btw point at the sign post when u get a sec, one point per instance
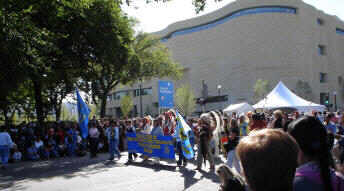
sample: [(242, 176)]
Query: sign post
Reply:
[(166, 94)]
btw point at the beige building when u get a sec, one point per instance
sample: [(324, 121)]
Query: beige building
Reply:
[(247, 40)]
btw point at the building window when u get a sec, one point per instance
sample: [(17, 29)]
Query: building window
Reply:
[(120, 94), (321, 50), (340, 31), (320, 21), (323, 77), (243, 12), (147, 91), (144, 91)]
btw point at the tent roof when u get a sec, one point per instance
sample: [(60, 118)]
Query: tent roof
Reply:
[(281, 96), (240, 108)]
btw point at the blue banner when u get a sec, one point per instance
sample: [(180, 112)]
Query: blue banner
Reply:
[(83, 112), (166, 94), (153, 146), (182, 132)]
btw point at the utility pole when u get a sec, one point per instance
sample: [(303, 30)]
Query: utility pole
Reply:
[(140, 93)]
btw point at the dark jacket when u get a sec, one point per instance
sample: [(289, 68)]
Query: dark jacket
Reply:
[(231, 144)]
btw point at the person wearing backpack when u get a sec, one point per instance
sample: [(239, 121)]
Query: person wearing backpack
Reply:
[(316, 169)]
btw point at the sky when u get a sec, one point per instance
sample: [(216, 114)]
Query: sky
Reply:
[(157, 16)]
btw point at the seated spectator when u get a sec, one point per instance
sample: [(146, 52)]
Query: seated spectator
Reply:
[(51, 149), (101, 146), (32, 153), (69, 144), (17, 155), (315, 171), (39, 146), (268, 159)]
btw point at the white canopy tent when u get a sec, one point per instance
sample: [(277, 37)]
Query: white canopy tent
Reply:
[(282, 97), (238, 108)]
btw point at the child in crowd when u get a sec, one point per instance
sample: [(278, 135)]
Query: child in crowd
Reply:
[(32, 153), (39, 146), (17, 155)]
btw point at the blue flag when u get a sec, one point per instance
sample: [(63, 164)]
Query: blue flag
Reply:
[(83, 112), (182, 131)]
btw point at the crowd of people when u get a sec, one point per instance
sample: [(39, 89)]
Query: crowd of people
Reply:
[(264, 151)]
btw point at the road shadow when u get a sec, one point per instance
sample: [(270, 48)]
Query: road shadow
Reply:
[(155, 167), (188, 175), (68, 167)]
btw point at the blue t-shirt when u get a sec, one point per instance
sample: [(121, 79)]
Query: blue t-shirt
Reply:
[(332, 128)]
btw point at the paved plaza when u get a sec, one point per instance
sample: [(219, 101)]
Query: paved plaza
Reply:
[(85, 174)]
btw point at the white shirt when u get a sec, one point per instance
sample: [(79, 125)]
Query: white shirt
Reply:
[(147, 129), (17, 156), (38, 144), (94, 132), (5, 139)]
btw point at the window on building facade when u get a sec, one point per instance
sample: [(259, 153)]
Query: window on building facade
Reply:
[(144, 91), (340, 31), (323, 77), (243, 12), (119, 95), (321, 50), (320, 21)]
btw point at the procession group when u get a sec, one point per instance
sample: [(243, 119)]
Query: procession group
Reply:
[(264, 151)]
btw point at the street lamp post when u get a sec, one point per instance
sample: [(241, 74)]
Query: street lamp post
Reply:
[(219, 92), (219, 89), (335, 100), (140, 94), (202, 103)]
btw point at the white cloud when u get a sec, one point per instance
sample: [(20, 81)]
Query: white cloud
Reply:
[(157, 16)]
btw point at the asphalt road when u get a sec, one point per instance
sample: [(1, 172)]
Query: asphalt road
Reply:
[(98, 174)]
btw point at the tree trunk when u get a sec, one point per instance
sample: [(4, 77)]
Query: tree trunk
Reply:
[(57, 108), (103, 104), (37, 86)]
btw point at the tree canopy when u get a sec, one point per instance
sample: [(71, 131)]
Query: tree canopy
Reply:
[(185, 100), (47, 48)]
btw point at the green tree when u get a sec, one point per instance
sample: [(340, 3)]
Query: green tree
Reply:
[(151, 59), (94, 110), (65, 114), (261, 89), (185, 100), (109, 34), (40, 35), (126, 105), (199, 4)]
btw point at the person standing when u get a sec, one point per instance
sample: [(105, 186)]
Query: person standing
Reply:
[(157, 131), (113, 139), (130, 129), (316, 170), (5, 145), (277, 123), (243, 126), (232, 160), (93, 134), (204, 149)]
